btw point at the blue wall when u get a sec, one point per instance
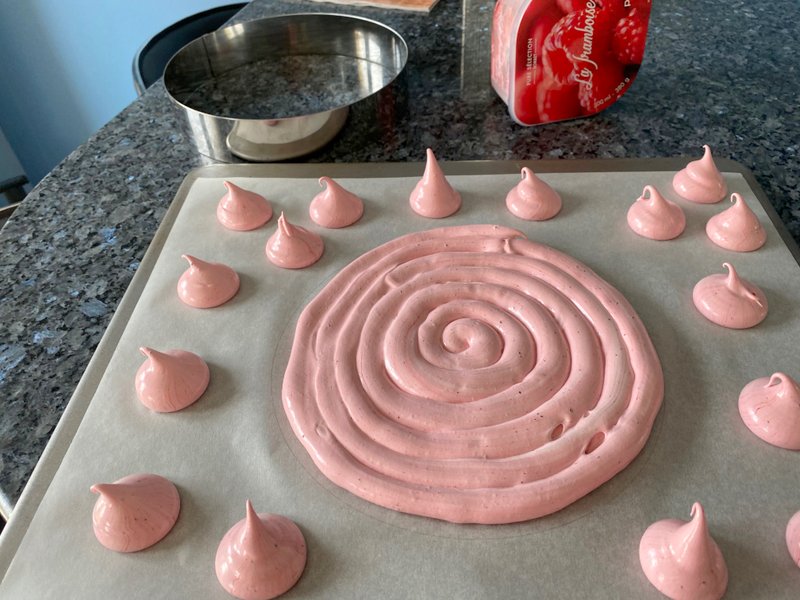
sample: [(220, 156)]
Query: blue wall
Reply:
[(9, 166), (65, 68)]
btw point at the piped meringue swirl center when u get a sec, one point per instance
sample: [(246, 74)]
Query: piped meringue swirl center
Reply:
[(471, 375)]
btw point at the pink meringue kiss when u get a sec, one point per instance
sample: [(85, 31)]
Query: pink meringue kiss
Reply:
[(433, 196), (793, 538), (770, 407), (653, 216), (335, 207), (729, 300), (242, 210), (736, 228), (682, 561), (260, 557), (700, 181), (172, 380), (532, 199), (293, 247), (205, 284), (134, 512)]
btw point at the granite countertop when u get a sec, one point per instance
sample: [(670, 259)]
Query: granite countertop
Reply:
[(715, 72)]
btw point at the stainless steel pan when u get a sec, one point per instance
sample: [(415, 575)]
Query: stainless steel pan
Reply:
[(280, 87)]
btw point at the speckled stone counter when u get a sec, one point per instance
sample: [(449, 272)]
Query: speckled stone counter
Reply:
[(721, 73)]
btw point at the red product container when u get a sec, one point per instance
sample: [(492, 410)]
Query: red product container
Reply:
[(554, 60)]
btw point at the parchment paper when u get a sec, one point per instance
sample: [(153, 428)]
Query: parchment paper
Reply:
[(235, 443)]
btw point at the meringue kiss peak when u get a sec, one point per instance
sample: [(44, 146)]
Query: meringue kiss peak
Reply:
[(653, 216), (293, 247), (729, 300), (260, 557), (681, 559), (700, 181), (793, 538), (335, 207), (172, 380), (736, 228), (533, 199), (206, 284), (242, 210), (433, 196), (770, 407), (134, 512)]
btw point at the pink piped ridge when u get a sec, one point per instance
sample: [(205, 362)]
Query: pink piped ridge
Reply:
[(471, 375), (206, 284), (729, 300), (653, 216), (293, 247), (793, 538), (172, 380), (681, 559), (533, 199), (770, 407), (260, 557), (335, 207), (433, 196), (736, 228), (134, 512), (242, 210), (700, 181)]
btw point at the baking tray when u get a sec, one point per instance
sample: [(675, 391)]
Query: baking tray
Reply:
[(235, 442)]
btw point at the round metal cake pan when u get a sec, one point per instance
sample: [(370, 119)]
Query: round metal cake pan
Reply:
[(280, 87)]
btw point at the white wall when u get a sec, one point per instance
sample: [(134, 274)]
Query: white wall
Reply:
[(65, 68)]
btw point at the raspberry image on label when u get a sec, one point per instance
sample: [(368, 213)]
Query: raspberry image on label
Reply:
[(630, 35), (554, 60)]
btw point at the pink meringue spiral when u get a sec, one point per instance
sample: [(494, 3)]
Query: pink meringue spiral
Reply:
[(472, 375)]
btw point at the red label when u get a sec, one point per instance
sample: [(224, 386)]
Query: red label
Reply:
[(575, 57)]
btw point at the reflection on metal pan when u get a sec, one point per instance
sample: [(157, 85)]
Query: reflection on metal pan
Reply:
[(280, 87)]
